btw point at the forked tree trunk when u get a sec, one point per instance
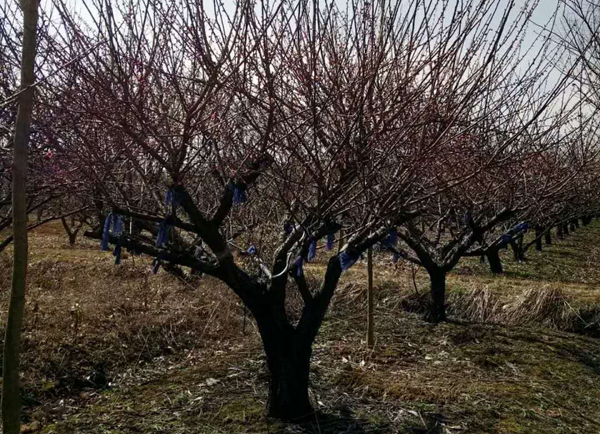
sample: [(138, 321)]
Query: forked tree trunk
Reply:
[(559, 232), (565, 228), (493, 256), (438, 295), (289, 349), (71, 233), (11, 400), (548, 237)]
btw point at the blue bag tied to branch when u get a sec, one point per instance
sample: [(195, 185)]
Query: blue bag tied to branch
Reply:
[(518, 228), (239, 193), (393, 236), (106, 232), (330, 241), (312, 251), (395, 258), (347, 259), (252, 250), (522, 227), (162, 233), (504, 241), (391, 239), (172, 198), (287, 228), (299, 263), (118, 225), (116, 221)]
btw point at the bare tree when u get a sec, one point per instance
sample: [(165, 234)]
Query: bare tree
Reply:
[(11, 400)]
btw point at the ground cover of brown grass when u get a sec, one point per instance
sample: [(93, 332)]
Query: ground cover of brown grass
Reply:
[(114, 349)]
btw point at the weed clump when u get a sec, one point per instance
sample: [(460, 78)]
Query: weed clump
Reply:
[(547, 307)]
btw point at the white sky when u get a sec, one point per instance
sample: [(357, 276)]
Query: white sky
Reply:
[(542, 14)]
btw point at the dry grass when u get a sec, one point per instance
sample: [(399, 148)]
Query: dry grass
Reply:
[(173, 357), (548, 307), (89, 322)]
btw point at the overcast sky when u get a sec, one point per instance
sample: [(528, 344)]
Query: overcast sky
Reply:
[(542, 14)]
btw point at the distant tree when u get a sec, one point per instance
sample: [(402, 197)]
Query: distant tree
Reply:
[(488, 129)]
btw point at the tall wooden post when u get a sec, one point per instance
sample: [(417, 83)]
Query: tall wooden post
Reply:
[(371, 307)]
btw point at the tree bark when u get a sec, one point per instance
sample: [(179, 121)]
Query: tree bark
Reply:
[(548, 237), (72, 234), (565, 228), (517, 248), (289, 369), (559, 232), (438, 295), (538, 238), (288, 361), (289, 348), (493, 256), (11, 401)]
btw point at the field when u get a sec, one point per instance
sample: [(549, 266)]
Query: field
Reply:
[(115, 349)]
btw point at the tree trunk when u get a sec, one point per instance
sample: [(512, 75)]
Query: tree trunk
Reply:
[(548, 237), (341, 241), (517, 248), (576, 223), (11, 401), (370, 307), (493, 256), (70, 233), (538, 238), (438, 295), (572, 226), (559, 232), (565, 229), (288, 361)]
